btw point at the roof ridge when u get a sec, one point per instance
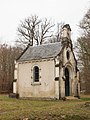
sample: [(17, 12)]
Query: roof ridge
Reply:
[(45, 44)]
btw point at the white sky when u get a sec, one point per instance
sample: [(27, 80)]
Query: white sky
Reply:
[(12, 11)]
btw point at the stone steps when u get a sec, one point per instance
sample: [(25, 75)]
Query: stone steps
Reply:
[(72, 98)]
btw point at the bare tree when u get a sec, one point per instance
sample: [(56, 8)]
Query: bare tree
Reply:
[(85, 24), (7, 56), (59, 31), (84, 51), (57, 36), (27, 29), (33, 30), (45, 30)]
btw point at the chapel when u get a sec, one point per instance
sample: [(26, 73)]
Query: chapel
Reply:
[(48, 70)]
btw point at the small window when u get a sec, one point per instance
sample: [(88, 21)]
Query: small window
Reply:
[(36, 74), (68, 55)]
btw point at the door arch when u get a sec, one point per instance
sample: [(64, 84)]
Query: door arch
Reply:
[(67, 83)]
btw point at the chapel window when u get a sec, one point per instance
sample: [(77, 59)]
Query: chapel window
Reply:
[(68, 55), (36, 74)]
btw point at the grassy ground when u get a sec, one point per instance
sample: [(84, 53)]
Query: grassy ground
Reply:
[(16, 109)]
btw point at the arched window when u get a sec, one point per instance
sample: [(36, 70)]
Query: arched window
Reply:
[(36, 74), (68, 55)]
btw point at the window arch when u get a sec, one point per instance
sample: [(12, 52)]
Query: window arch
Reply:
[(36, 74)]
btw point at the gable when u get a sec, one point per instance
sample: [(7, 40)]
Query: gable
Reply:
[(41, 52)]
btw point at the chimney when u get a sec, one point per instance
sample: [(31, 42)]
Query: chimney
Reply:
[(66, 35), (66, 31)]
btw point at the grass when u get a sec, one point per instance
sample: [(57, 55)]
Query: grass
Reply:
[(17, 109)]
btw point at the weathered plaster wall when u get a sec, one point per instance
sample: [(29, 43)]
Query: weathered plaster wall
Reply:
[(46, 85)]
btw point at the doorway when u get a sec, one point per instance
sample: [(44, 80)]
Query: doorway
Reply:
[(67, 83)]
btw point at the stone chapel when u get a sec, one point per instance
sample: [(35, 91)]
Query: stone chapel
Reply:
[(48, 70)]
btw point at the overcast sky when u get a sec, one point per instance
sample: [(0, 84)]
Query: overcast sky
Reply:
[(12, 11)]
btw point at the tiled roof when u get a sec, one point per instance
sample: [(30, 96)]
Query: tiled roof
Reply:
[(41, 52)]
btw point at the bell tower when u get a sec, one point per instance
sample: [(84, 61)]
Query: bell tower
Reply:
[(66, 35)]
